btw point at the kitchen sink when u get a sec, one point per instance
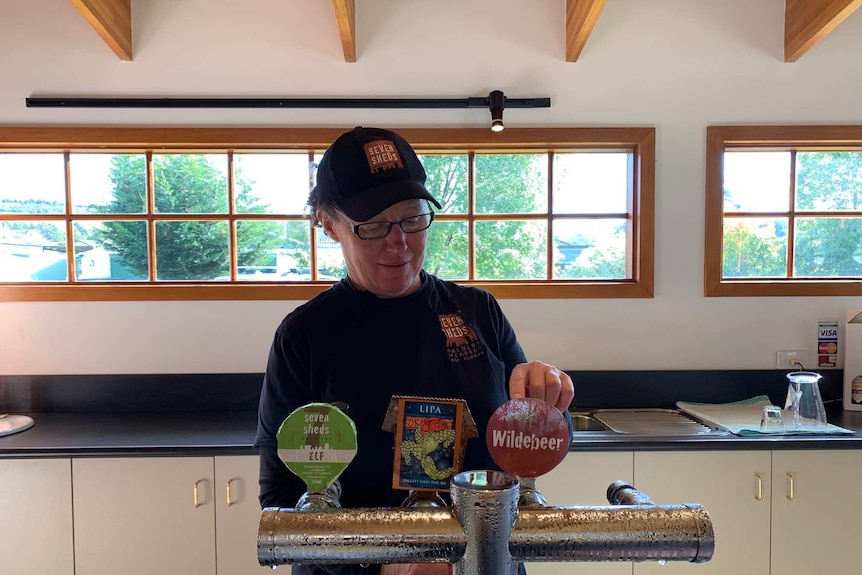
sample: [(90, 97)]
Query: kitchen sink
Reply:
[(640, 422), (585, 422)]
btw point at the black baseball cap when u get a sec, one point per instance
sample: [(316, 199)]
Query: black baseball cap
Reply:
[(366, 170)]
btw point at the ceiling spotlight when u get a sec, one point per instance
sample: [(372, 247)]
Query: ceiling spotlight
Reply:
[(496, 101)]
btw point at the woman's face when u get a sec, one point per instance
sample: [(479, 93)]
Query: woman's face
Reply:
[(388, 267)]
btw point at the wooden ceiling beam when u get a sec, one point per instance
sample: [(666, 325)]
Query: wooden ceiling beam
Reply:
[(806, 22), (345, 15), (581, 17), (112, 19)]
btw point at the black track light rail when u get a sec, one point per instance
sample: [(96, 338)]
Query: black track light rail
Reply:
[(425, 103)]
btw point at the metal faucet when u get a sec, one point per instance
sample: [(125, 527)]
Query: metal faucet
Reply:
[(486, 532), (496, 520)]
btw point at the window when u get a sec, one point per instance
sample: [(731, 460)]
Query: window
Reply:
[(172, 214), (783, 211)]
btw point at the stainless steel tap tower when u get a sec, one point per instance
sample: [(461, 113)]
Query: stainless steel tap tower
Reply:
[(497, 519), (486, 532)]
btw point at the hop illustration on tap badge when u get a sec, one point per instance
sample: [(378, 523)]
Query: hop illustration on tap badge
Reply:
[(428, 443)]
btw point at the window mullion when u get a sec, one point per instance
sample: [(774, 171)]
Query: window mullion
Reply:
[(233, 250), (549, 213), (151, 210), (791, 216), (471, 215), (70, 236)]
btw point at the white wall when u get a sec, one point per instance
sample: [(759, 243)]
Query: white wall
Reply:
[(678, 65)]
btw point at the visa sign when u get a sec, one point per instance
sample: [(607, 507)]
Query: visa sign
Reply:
[(827, 333)]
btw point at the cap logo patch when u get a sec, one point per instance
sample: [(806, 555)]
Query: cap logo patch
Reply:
[(382, 155)]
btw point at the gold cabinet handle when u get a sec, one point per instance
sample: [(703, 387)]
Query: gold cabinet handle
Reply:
[(790, 492), (229, 500), (758, 494), (197, 501)]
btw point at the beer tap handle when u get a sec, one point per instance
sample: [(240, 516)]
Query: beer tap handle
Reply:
[(316, 442), (527, 437)]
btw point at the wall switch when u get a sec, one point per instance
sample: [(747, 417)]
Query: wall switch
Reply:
[(791, 359)]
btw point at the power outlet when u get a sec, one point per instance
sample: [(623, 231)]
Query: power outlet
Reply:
[(791, 359)]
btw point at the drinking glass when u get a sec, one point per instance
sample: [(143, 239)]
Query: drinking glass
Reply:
[(771, 420)]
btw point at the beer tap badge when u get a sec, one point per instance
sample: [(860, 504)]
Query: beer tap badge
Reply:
[(527, 437), (317, 442), (429, 438)]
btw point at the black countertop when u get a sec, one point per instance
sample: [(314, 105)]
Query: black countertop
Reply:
[(851, 420), (133, 434), (232, 433)]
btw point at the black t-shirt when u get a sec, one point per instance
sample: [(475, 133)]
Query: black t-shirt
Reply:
[(344, 345)]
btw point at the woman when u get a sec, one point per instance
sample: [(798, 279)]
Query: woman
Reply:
[(387, 329)]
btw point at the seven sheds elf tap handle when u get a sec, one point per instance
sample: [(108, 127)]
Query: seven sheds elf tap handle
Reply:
[(317, 442)]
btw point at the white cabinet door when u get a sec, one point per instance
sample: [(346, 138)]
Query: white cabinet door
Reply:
[(816, 512), (237, 515), (733, 486), (36, 516), (146, 515), (583, 478)]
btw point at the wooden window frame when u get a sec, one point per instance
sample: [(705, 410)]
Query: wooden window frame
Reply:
[(640, 251), (718, 140)]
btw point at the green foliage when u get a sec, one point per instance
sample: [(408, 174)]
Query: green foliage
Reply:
[(447, 250), (48, 231), (187, 249), (606, 263), (829, 181), (747, 254), (447, 247), (510, 183), (829, 247), (511, 250), (191, 250), (28, 206), (129, 196), (505, 184), (823, 246), (447, 180), (196, 249)]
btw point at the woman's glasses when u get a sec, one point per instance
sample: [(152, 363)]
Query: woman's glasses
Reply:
[(377, 230)]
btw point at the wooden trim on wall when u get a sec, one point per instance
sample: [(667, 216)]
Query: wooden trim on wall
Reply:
[(302, 292), (63, 139), (300, 138), (644, 270)]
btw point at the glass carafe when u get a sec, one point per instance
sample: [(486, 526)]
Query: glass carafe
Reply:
[(804, 404)]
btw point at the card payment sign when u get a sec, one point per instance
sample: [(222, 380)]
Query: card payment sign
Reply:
[(827, 343)]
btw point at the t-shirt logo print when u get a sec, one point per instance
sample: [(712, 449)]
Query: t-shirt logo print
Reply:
[(382, 155), (461, 341)]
